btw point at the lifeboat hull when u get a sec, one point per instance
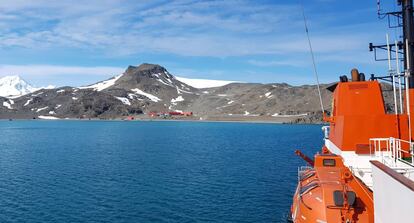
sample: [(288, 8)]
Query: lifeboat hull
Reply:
[(327, 193)]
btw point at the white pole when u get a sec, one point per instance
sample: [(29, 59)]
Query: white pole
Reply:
[(397, 60), (407, 74), (392, 74), (388, 52)]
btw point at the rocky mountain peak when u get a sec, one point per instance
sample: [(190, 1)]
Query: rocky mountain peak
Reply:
[(145, 68), (146, 74)]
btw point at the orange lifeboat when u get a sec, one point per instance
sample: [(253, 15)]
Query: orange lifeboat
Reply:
[(327, 192)]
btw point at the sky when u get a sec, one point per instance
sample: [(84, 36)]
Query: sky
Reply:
[(262, 41)]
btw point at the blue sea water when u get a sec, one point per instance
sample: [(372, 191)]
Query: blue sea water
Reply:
[(114, 171)]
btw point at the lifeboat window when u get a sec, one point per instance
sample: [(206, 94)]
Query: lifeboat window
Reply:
[(339, 198), (329, 162), (307, 175), (308, 187)]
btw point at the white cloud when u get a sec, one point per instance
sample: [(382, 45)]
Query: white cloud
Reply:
[(240, 29), (277, 63), (46, 70), (215, 28)]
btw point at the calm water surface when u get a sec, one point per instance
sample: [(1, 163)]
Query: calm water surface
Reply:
[(85, 171)]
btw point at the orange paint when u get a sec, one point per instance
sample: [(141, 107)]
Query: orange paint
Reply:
[(358, 114)]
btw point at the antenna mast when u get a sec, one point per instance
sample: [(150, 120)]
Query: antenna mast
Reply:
[(313, 59)]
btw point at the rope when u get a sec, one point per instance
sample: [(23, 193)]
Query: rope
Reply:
[(313, 58)]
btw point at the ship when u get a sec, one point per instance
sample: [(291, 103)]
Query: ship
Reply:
[(364, 171)]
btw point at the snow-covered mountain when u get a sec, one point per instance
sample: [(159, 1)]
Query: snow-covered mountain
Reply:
[(203, 83), (14, 86)]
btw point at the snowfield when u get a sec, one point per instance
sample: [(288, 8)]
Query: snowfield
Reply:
[(203, 83), (103, 84)]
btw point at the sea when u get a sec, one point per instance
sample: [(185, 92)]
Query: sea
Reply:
[(150, 171)]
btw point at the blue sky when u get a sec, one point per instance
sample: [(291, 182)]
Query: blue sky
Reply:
[(65, 43)]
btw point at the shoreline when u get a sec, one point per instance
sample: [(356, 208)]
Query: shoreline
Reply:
[(262, 121)]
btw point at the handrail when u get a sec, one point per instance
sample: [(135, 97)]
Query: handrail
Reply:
[(393, 151)]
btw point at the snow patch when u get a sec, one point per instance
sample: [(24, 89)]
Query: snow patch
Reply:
[(246, 113), (47, 117), (28, 102), (52, 113), (103, 84), (37, 94), (287, 116), (41, 109), (74, 98), (133, 96), (163, 82), (178, 99), (158, 76), (124, 101), (7, 105), (230, 102), (150, 96), (180, 91), (60, 91)]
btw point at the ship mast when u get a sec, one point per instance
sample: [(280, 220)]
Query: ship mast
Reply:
[(405, 47), (408, 38)]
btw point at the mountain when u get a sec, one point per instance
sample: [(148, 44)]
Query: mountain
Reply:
[(151, 88), (14, 86)]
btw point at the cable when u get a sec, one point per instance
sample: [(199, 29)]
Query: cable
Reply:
[(313, 58)]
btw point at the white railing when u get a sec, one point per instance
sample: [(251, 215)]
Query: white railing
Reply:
[(326, 130), (392, 150), (302, 170)]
